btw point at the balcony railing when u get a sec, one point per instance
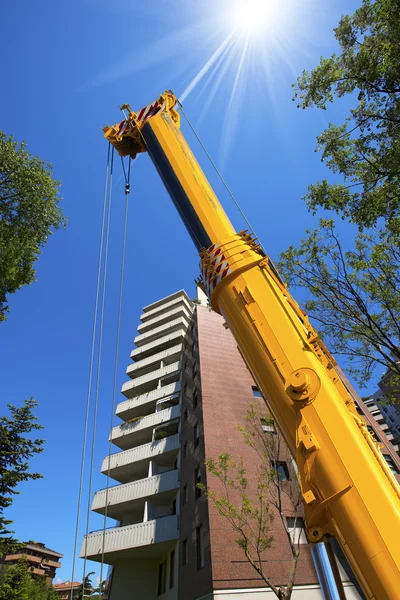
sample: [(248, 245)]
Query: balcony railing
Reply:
[(162, 330), (160, 308), (132, 464), (165, 317), (128, 494), (119, 542), (129, 435), (146, 403), (137, 386), (161, 343), (147, 365)]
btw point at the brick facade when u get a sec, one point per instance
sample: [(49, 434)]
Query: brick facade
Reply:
[(223, 386)]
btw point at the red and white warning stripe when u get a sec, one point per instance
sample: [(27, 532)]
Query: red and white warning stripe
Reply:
[(149, 111), (215, 269)]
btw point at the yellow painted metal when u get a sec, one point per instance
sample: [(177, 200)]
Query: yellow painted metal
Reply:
[(191, 177), (349, 491)]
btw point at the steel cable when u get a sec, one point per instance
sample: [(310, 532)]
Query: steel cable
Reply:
[(99, 352), (121, 287), (96, 304)]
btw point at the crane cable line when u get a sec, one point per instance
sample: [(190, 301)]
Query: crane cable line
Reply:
[(99, 352), (219, 174), (121, 286), (91, 362)]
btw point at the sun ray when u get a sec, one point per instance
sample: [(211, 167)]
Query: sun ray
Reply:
[(206, 67), (218, 79)]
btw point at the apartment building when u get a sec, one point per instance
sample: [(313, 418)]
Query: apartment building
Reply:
[(188, 392), (41, 560), (383, 415), (67, 590)]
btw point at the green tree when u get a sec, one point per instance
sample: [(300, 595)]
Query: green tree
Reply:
[(250, 508), (17, 583), (15, 451), (29, 212), (86, 590), (364, 151), (353, 296), (351, 289)]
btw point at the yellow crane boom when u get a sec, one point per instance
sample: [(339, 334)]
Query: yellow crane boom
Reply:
[(348, 490)]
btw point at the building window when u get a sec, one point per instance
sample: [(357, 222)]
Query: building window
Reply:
[(172, 569), (195, 399), (256, 392), (196, 435), (281, 469), (173, 507), (184, 494), (185, 557), (391, 418), (391, 464), (197, 480), (296, 528), (267, 425), (185, 415), (199, 547), (185, 450), (162, 576)]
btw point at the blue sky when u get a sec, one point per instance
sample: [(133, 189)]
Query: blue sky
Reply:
[(66, 67)]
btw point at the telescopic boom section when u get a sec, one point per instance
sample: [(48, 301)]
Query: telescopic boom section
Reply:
[(348, 490)]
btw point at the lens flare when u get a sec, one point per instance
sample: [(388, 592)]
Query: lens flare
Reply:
[(255, 17)]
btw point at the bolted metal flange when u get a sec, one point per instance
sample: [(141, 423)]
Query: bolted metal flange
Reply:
[(303, 385)]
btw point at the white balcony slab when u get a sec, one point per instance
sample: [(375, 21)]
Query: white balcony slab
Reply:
[(130, 497), (165, 317), (130, 435), (162, 330), (149, 381), (145, 404), (147, 539), (165, 304), (130, 465), (147, 365), (162, 343)]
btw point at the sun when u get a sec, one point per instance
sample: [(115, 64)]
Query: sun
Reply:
[(255, 17)]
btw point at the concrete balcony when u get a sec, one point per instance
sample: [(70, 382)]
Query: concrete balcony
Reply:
[(158, 332), (167, 316), (158, 308), (144, 540), (145, 404), (130, 498), (156, 361), (150, 381), (131, 465), (131, 435), (160, 344)]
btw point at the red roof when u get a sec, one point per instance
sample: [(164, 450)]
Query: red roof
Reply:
[(67, 585)]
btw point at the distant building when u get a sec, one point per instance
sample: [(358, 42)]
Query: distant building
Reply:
[(42, 561), (65, 590)]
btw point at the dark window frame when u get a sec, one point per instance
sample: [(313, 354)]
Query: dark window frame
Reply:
[(172, 569), (199, 547), (281, 468)]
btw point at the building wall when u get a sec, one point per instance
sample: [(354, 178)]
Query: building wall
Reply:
[(194, 512), (226, 392), (138, 579)]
